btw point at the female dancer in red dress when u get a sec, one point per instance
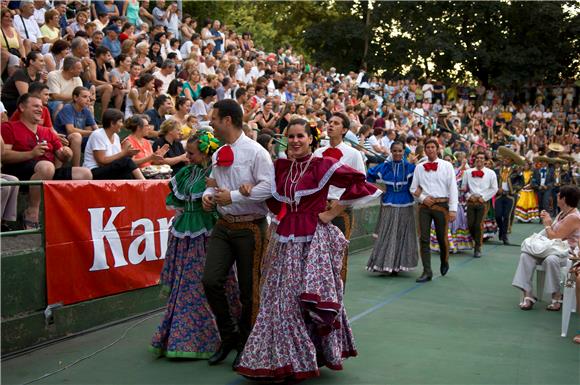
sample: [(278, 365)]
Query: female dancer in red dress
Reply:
[(302, 323)]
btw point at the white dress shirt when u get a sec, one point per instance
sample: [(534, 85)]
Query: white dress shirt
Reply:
[(253, 165), (485, 187), (351, 157), (436, 184)]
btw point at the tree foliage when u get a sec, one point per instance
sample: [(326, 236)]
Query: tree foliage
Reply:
[(499, 43)]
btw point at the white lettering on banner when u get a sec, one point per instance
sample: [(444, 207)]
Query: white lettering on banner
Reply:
[(148, 237), (98, 235), (110, 233)]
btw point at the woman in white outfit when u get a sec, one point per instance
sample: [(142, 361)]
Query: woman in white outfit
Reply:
[(566, 227)]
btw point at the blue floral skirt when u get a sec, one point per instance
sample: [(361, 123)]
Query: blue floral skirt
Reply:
[(188, 328)]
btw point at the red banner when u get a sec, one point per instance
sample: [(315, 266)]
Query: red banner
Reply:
[(103, 237)]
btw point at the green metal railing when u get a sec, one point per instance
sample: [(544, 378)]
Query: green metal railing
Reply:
[(40, 230)]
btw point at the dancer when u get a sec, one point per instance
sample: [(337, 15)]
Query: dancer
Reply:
[(508, 178), (480, 185), (302, 322), (338, 126), (188, 328), (238, 235), (543, 182), (527, 204), (435, 187), (397, 247)]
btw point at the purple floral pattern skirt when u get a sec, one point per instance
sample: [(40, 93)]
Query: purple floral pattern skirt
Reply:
[(188, 328), (302, 323)]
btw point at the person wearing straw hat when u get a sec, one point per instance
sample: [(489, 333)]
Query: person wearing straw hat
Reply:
[(561, 177), (543, 182), (508, 180)]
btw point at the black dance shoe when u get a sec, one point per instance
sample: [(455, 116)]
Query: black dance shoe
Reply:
[(221, 354), (444, 268), (423, 278)]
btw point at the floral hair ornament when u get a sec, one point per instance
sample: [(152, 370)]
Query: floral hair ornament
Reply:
[(208, 144)]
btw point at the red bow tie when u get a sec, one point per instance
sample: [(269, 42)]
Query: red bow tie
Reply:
[(332, 153), (225, 156), (477, 174), (430, 166)]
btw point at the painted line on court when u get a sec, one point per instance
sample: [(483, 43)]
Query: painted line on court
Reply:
[(393, 298), (404, 292)]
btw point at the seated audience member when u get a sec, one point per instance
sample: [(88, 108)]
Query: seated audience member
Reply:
[(31, 151), (96, 42), (166, 74), (76, 118), (55, 57), (111, 40), (140, 98), (566, 227), (120, 77), (8, 196), (100, 78), (17, 84), (39, 90), (203, 105), (170, 135), (163, 105), (140, 129), (27, 26), (61, 83), (106, 156), (51, 28)]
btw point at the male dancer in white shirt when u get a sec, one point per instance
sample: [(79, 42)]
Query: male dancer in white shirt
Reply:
[(480, 184), (435, 187), (338, 126), (238, 235)]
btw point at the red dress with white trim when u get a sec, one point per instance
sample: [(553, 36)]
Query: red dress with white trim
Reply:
[(302, 323)]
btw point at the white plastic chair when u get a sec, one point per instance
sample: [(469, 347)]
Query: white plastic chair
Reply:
[(569, 301)]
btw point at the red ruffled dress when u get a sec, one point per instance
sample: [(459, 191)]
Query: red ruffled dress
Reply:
[(302, 323)]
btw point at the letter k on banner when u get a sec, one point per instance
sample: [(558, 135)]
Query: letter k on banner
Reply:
[(103, 237)]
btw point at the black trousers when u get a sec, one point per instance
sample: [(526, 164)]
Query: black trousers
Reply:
[(117, 170), (240, 243), (438, 214), (544, 200), (504, 206), (475, 214)]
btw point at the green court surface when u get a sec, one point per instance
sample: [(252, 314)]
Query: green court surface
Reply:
[(464, 328)]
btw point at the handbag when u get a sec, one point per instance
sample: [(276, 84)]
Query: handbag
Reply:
[(540, 246)]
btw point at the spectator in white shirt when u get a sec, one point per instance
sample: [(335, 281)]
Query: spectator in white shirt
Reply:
[(166, 74), (203, 105), (27, 27), (244, 75), (39, 11), (207, 67)]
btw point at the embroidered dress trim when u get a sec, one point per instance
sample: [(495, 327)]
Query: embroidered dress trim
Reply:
[(361, 201), (189, 234)]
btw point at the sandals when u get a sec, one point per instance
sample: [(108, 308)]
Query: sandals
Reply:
[(576, 339), (30, 225), (556, 305), (528, 303)]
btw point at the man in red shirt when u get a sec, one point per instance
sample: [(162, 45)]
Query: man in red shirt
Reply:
[(40, 90), (31, 151)]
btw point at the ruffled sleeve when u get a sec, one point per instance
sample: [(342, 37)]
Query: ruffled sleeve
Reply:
[(358, 190), (186, 191)]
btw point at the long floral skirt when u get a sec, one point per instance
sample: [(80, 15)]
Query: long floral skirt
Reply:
[(457, 233), (397, 247), (302, 323), (188, 328)]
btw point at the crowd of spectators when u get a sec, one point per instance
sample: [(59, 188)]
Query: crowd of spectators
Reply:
[(151, 73)]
